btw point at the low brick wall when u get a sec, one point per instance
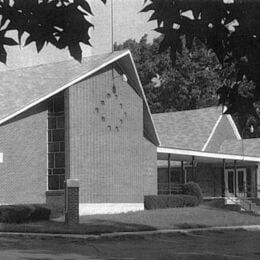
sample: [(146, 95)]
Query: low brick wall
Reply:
[(56, 202)]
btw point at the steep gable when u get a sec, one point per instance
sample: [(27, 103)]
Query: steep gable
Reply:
[(224, 130), (24, 88), (186, 129)]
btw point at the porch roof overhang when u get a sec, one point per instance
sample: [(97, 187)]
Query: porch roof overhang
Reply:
[(203, 157)]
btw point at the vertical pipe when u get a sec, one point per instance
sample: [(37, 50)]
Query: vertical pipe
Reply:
[(193, 169), (235, 177), (223, 178), (183, 174), (169, 173)]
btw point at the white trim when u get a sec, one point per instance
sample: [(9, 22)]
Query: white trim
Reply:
[(108, 208), (234, 127), (72, 183), (207, 154), (144, 97), (212, 133), (38, 101)]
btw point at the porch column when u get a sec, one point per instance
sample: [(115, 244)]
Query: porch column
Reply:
[(235, 177), (183, 172), (193, 168), (223, 178), (258, 181), (169, 173)]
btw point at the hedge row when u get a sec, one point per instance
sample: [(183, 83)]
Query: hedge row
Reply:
[(169, 201), (191, 197), (23, 213)]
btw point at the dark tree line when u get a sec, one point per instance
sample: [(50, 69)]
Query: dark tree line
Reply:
[(192, 83), (228, 27)]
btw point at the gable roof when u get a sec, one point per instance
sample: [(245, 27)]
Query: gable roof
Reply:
[(24, 88), (205, 134), (225, 129), (189, 129), (245, 147)]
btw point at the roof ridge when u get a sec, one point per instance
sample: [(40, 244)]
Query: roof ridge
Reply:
[(188, 110), (62, 61)]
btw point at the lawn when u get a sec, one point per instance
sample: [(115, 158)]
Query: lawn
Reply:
[(202, 216)]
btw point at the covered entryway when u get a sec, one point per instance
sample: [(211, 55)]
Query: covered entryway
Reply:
[(219, 175)]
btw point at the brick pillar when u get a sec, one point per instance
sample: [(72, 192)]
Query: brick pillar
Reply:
[(72, 202)]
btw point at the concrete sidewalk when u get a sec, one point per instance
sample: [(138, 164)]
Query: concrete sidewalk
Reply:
[(130, 234)]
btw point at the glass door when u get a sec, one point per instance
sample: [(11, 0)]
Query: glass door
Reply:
[(229, 183), (241, 182), (235, 186)]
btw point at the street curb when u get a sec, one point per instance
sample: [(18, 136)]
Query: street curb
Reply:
[(129, 234)]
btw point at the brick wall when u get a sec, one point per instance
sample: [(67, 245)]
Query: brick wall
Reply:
[(56, 202), (23, 173), (149, 168), (106, 140)]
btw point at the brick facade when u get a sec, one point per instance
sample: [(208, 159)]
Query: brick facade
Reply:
[(72, 211), (104, 145), (149, 168), (106, 141), (23, 142)]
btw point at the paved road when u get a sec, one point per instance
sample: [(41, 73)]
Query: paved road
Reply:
[(199, 245)]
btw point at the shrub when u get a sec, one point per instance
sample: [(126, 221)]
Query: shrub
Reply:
[(193, 189), (22, 213), (40, 212), (169, 201)]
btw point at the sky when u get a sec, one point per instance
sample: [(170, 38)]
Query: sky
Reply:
[(128, 22)]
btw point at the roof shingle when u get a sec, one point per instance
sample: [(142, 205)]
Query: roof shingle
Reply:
[(245, 147), (21, 87), (188, 129)]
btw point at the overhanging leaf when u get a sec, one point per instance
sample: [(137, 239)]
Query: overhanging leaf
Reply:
[(3, 54), (148, 8), (75, 52), (9, 41), (85, 5), (39, 45)]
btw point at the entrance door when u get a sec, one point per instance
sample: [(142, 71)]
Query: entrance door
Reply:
[(235, 186), (241, 182)]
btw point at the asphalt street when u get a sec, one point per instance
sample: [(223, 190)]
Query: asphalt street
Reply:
[(230, 244)]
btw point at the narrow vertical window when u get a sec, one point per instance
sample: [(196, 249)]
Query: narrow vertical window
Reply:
[(56, 143)]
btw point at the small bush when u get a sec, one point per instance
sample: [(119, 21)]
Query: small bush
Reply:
[(169, 201), (193, 189), (40, 213), (23, 213)]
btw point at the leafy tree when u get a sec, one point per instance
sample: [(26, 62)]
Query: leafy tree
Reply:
[(191, 83), (62, 23), (228, 27)]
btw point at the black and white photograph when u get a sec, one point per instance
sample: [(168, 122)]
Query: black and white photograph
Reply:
[(129, 129)]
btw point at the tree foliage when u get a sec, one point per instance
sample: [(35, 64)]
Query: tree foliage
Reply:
[(192, 83), (62, 23), (230, 28)]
